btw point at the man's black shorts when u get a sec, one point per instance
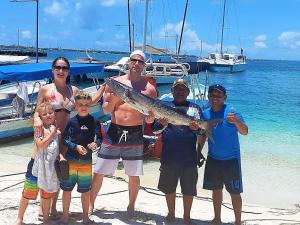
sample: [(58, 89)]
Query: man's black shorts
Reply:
[(170, 174), (223, 172)]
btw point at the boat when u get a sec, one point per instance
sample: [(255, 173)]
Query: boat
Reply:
[(166, 73), (224, 61), (16, 116), (118, 68), (12, 59)]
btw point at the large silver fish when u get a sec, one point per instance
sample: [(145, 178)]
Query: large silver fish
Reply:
[(145, 104)]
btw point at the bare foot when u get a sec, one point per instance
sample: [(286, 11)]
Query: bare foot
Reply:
[(170, 218), (88, 222), (18, 222), (64, 220), (130, 212), (187, 220), (45, 221)]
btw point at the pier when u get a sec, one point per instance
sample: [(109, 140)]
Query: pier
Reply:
[(20, 52)]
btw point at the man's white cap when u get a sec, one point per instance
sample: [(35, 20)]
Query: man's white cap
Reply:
[(138, 52)]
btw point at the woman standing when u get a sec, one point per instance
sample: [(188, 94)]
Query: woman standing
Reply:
[(61, 96)]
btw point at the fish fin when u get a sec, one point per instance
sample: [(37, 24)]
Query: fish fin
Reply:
[(210, 125)]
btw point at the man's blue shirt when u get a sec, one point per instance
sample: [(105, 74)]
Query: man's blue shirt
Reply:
[(178, 141), (225, 135)]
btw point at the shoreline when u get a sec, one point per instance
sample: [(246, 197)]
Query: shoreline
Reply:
[(110, 207), (254, 193)]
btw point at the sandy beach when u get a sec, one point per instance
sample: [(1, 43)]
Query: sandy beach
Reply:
[(110, 207)]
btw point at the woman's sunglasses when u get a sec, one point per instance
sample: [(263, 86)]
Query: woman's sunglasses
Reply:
[(63, 68)]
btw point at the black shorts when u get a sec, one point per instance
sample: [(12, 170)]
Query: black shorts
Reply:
[(169, 176), (223, 172)]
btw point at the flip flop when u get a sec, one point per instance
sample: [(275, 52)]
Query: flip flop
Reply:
[(62, 170)]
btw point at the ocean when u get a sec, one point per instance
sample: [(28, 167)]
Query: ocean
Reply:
[(267, 94)]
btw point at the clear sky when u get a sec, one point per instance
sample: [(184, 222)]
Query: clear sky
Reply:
[(265, 29)]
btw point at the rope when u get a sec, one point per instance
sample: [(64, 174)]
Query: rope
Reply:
[(12, 174), (146, 189), (11, 186)]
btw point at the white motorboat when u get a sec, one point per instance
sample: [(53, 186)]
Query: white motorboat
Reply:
[(117, 68), (12, 59)]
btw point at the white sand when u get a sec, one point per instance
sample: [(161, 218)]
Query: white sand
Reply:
[(112, 202)]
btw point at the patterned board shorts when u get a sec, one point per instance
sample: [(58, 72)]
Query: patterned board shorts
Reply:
[(31, 189), (121, 142), (80, 173)]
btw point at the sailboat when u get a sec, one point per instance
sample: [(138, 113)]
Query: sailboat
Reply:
[(224, 61), (162, 72)]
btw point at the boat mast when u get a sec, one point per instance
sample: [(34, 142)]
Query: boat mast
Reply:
[(145, 25), (129, 26), (223, 20), (183, 22)]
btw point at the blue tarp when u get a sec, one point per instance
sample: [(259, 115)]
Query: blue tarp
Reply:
[(38, 71)]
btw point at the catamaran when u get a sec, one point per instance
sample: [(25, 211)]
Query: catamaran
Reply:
[(224, 61)]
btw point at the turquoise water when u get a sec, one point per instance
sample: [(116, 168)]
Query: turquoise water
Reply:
[(268, 96)]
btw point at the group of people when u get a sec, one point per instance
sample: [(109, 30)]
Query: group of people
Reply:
[(72, 140)]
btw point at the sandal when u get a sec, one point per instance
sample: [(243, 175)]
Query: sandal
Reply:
[(62, 170)]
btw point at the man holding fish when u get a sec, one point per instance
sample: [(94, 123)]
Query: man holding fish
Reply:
[(124, 138)]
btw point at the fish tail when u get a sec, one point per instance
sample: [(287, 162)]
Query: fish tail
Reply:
[(210, 125)]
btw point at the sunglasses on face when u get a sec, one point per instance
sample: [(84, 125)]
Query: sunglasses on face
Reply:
[(140, 62), (63, 68)]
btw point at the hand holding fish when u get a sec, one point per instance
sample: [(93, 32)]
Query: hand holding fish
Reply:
[(193, 125), (164, 121), (150, 118)]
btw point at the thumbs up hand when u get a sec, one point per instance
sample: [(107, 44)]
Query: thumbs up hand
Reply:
[(231, 116)]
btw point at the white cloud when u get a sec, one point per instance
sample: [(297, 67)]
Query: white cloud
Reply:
[(260, 44), (290, 39), (54, 9), (78, 6), (259, 41), (58, 9), (26, 34), (261, 38), (191, 40), (109, 3)]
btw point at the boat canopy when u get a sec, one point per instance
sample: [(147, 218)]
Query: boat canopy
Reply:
[(38, 71)]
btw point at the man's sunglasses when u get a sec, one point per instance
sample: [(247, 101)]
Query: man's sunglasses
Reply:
[(140, 62), (63, 68)]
